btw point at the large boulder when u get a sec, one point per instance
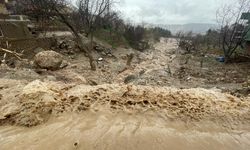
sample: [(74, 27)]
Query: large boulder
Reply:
[(48, 60)]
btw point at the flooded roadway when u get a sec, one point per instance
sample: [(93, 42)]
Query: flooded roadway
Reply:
[(120, 131)]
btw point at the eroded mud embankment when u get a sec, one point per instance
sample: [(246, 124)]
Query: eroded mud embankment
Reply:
[(33, 103), (69, 116)]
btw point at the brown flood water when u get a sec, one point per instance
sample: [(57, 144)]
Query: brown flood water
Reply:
[(107, 131)]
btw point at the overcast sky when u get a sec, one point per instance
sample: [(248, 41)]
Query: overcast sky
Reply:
[(170, 11)]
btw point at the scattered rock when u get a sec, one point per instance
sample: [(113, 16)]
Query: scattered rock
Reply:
[(64, 64), (69, 76), (93, 83), (130, 79), (143, 45), (80, 79), (242, 92), (99, 48), (25, 63), (118, 67), (38, 50), (103, 50), (110, 55), (234, 72), (50, 60), (100, 59), (51, 78), (40, 71), (4, 66)]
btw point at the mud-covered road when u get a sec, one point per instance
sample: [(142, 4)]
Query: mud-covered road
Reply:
[(120, 117), (106, 131)]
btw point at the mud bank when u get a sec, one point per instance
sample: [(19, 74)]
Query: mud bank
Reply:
[(31, 104), (121, 131)]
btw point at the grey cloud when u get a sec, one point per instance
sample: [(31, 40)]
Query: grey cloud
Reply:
[(170, 11)]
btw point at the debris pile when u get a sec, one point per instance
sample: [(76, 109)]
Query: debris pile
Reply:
[(103, 50)]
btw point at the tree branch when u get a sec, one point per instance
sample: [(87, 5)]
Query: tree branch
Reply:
[(17, 55)]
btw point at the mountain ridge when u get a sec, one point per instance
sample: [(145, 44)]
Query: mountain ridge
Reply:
[(197, 28)]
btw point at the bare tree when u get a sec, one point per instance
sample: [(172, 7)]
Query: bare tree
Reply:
[(233, 28), (61, 10), (185, 41), (91, 12)]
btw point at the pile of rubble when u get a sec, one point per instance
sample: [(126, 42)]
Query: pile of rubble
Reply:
[(103, 50)]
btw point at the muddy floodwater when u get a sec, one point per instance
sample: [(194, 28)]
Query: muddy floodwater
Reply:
[(108, 131)]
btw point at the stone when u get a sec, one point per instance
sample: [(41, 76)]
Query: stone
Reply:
[(130, 79), (64, 64), (38, 91), (38, 50), (51, 78), (100, 59), (50, 60), (99, 48)]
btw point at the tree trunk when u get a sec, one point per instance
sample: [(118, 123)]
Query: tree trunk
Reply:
[(227, 58), (85, 48), (129, 59), (91, 38), (79, 41)]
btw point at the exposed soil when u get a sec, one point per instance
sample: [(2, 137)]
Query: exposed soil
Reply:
[(165, 100)]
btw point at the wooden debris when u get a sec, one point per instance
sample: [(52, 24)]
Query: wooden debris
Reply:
[(17, 55)]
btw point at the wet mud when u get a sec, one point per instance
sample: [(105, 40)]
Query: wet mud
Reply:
[(106, 130)]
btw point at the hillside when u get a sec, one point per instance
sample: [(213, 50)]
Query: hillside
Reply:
[(194, 27)]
